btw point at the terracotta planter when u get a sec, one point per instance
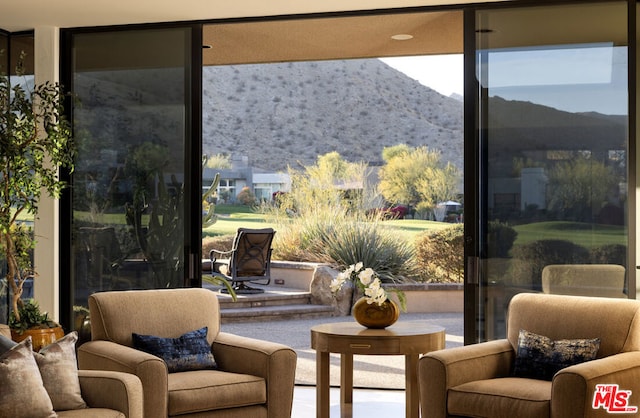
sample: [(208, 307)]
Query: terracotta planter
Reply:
[(39, 337), (374, 315)]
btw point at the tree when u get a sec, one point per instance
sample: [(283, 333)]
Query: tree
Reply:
[(219, 161), (331, 169), (417, 177), (578, 188), (35, 142), (389, 152), (332, 181)]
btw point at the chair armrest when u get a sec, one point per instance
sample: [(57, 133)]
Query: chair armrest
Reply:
[(574, 387), (113, 390), (218, 252), (440, 370), (274, 362), (151, 370)]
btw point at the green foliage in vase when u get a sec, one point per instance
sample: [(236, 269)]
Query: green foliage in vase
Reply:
[(29, 316)]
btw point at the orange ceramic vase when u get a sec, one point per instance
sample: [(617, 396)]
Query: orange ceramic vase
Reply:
[(374, 315), (39, 337)]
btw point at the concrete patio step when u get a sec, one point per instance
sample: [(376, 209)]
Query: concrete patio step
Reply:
[(276, 303), (274, 313)]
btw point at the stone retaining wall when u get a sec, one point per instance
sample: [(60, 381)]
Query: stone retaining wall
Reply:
[(421, 297)]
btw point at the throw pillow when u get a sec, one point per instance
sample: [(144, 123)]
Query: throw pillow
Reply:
[(59, 371), (539, 357), (6, 344), (190, 351), (22, 394)]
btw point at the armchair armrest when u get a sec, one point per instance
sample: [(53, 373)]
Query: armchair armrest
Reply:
[(574, 387), (113, 390), (274, 362), (443, 369), (151, 370)]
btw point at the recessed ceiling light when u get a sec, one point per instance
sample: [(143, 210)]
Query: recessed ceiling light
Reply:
[(402, 37)]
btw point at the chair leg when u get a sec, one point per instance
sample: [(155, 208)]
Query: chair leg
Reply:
[(243, 289)]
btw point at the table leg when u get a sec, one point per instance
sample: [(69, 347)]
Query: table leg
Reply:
[(411, 386), (322, 384), (346, 384)]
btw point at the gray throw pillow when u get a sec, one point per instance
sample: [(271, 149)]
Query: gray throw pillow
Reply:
[(59, 371), (22, 393)]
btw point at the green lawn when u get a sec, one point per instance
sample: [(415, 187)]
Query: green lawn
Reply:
[(230, 218), (587, 235)]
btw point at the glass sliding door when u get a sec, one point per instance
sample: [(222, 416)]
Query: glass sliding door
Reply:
[(553, 140), (4, 288), (132, 213)]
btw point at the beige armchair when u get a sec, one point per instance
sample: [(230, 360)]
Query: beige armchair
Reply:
[(478, 380), (603, 280), (253, 379), (107, 394)]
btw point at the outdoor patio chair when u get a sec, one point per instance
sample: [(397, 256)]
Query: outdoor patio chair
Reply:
[(248, 260)]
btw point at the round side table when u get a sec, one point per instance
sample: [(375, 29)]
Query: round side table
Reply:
[(410, 339)]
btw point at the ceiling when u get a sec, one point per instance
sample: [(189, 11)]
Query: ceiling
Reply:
[(333, 38), (229, 40), (19, 15)]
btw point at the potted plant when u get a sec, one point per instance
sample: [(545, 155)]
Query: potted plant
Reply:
[(35, 142), (34, 323)]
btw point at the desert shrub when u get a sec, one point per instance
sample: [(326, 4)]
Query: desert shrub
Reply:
[(529, 259), (220, 243), (440, 255), (500, 239), (377, 247), (340, 237), (246, 197), (609, 254)]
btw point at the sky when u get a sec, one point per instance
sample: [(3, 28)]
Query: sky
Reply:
[(442, 73), (588, 78)]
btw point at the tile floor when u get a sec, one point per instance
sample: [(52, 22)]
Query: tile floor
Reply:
[(366, 403)]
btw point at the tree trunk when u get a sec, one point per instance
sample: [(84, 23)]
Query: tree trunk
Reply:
[(14, 279)]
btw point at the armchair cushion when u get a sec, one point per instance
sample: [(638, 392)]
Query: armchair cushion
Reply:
[(539, 357), (492, 397), (190, 351), (206, 390), (22, 393)]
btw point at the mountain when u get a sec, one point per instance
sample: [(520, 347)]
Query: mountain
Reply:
[(286, 114)]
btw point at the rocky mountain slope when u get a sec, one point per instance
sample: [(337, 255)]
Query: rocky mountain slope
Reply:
[(286, 114)]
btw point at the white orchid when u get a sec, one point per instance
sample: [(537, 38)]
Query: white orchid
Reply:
[(364, 278)]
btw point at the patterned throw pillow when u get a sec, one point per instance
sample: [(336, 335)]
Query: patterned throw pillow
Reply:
[(59, 371), (22, 394), (539, 357), (190, 351)]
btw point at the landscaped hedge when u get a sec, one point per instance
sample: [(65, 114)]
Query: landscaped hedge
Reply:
[(500, 240), (529, 259), (440, 255), (609, 254)]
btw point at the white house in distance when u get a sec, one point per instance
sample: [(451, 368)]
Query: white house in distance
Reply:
[(232, 180)]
